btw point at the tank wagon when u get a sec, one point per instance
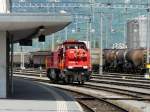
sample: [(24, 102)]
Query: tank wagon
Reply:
[(124, 60), (69, 63), (120, 60)]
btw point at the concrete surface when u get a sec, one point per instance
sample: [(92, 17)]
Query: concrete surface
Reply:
[(31, 96), (129, 105), (3, 65)]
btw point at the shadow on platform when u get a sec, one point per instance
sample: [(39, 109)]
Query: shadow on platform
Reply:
[(29, 90)]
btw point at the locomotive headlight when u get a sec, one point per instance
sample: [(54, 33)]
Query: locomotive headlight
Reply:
[(85, 67), (70, 67)]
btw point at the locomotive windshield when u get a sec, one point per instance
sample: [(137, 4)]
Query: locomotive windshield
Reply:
[(76, 46)]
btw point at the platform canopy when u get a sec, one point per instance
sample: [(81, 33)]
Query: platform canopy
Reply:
[(29, 25), (22, 27)]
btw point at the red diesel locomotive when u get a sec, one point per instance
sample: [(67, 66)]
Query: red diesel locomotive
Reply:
[(69, 63)]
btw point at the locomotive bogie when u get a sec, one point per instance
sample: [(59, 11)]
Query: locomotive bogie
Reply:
[(84, 73), (68, 76)]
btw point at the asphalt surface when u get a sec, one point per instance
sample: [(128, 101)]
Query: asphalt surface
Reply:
[(31, 96)]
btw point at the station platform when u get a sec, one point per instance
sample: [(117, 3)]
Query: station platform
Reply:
[(31, 96)]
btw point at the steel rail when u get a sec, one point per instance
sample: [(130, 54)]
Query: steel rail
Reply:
[(122, 79), (85, 106), (77, 98), (138, 85), (106, 99), (135, 94)]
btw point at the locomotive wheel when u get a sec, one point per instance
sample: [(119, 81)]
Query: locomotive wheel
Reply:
[(48, 74), (79, 82), (82, 82), (56, 76), (69, 79), (83, 79), (65, 80), (52, 75)]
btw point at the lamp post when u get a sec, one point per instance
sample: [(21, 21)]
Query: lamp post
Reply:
[(66, 33), (88, 23), (92, 32), (148, 38), (53, 37), (101, 39), (22, 58), (125, 23), (109, 27), (101, 45), (88, 30)]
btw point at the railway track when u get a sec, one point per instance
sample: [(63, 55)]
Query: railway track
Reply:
[(122, 76), (85, 107), (120, 92), (130, 94), (122, 79), (123, 83), (104, 84), (106, 79), (89, 103), (94, 104)]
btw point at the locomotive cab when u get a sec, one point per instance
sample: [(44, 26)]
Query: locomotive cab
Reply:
[(77, 60), (76, 56)]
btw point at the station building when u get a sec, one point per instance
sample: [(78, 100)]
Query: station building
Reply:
[(16, 27)]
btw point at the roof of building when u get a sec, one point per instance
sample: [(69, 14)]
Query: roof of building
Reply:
[(28, 25)]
